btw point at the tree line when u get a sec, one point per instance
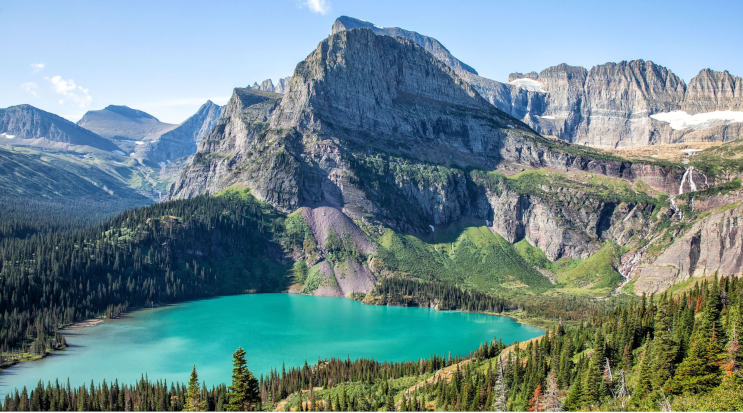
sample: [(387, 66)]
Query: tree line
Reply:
[(174, 251)]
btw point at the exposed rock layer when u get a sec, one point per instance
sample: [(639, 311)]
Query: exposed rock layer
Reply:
[(607, 106)]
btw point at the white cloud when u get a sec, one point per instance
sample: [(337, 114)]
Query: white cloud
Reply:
[(30, 87), (37, 67), (317, 6), (77, 94)]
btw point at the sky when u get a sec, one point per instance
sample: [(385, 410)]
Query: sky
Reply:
[(169, 57)]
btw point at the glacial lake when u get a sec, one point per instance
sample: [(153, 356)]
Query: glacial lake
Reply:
[(164, 343)]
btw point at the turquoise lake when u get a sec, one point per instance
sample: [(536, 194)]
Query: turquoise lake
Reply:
[(166, 342)]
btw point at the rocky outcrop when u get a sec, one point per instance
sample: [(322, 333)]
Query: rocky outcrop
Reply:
[(713, 246), (608, 106), (380, 130), (268, 86), (564, 221), (430, 44), (183, 140), (27, 125), (711, 91)]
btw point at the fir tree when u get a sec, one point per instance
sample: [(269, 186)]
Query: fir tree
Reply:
[(193, 398), (244, 392)]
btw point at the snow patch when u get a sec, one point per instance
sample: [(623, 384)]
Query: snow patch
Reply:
[(528, 84), (162, 164), (139, 143), (547, 117), (8, 136), (681, 120), (432, 230), (118, 152), (510, 126)]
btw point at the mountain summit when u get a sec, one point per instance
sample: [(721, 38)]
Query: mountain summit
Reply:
[(27, 125), (122, 123), (431, 45)]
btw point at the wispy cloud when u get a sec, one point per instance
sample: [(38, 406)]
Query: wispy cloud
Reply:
[(30, 87), (37, 67), (317, 6), (77, 94)]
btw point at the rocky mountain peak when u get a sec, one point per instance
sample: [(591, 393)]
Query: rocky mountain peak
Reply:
[(28, 125), (517, 75), (431, 45), (268, 85), (361, 81), (128, 112), (711, 91)]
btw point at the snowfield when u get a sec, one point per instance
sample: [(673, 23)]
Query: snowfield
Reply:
[(681, 120), (528, 84)]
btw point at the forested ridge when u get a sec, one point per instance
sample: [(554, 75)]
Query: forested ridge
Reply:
[(147, 256)]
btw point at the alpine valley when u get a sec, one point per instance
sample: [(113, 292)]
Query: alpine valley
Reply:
[(603, 205)]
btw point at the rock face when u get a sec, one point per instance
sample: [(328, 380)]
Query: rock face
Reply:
[(711, 91), (376, 130), (268, 86), (27, 125), (713, 246), (379, 129), (183, 140), (608, 106), (430, 44)]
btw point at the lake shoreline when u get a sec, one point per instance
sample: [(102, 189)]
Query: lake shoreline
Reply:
[(93, 322)]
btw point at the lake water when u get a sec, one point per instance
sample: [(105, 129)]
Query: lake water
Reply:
[(166, 342)]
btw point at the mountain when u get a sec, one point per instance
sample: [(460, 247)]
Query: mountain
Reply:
[(430, 44), (613, 105), (29, 126), (375, 138), (268, 86), (183, 140), (630, 104), (126, 126), (42, 189)]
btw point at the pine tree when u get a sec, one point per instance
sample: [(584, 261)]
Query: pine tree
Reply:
[(193, 398), (390, 403), (243, 393), (574, 401), (664, 348), (536, 401), (592, 379)]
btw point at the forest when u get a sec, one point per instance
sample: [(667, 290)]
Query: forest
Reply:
[(173, 251), (669, 352)]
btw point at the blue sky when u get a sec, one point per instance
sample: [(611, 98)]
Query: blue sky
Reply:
[(169, 57)]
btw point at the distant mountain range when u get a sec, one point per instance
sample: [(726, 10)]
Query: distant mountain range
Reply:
[(27, 125), (385, 150), (115, 158)]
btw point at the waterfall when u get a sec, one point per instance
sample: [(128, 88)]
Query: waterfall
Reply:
[(626, 269)]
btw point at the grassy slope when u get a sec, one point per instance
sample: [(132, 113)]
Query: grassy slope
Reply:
[(595, 275), (476, 259)]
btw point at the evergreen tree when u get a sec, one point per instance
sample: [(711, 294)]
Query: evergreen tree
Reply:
[(194, 403), (244, 392)]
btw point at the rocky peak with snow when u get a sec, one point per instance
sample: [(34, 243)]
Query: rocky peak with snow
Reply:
[(30, 126)]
